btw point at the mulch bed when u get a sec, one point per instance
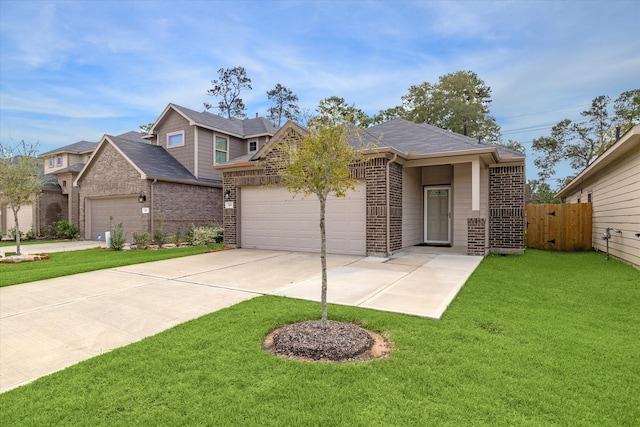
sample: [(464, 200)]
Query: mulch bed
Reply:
[(339, 342)]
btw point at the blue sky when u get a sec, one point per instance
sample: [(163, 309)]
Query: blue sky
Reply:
[(76, 70)]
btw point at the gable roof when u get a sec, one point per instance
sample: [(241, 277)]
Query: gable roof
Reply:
[(240, 128), (619, 150), (408, 139), (421, 139), (75, 148), (152, 161)]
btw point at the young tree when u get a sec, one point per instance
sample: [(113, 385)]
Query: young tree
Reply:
[(19, 179), (581, 143), (231, 82), (285, 104), (319, 165), (458, 99)]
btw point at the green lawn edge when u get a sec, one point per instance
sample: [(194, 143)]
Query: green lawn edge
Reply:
[(541, 339), (85, 260)]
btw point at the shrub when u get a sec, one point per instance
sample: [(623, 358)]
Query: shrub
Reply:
[(159, 235), (12, 233), (117, 236), (141, 240), (48, 231), (206, 235), (177, 237), (66, 230), (31, 234)]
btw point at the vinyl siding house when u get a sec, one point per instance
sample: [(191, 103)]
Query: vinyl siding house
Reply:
[(421, 186), (612, 184), (164, 179)]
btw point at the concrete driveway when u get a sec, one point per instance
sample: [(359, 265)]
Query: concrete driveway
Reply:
[(48, 325)]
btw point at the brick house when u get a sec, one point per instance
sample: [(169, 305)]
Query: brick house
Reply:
[(421, 186), (65, 164), (163, 179)]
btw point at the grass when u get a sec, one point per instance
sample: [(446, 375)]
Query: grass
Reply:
[(542, 339), (73, 262)]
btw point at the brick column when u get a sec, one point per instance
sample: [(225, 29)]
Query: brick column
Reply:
[(476, 236)]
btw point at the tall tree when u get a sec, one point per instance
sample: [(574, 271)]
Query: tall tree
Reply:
[(285, 104), (231, 82), (627, 109), (319, 165), (335, 110), (537, 192), (388, 114), (458, 99), (580, 143), (19, 179)]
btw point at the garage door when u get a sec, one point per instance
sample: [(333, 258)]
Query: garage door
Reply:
[(272, 219), (125, 210)]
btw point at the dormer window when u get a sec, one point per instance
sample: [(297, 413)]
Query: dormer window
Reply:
[(253, 146), (175, 139), (50, 162), (59, 161)]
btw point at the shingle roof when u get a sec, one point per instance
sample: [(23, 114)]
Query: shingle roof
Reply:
[(421, 138), (154, 161), (75, 148), (242, 128)]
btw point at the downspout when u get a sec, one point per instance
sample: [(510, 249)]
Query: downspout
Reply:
[(151, 214), (395, 156)]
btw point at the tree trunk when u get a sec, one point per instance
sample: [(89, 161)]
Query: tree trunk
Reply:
[(323, 260), (15, 219)]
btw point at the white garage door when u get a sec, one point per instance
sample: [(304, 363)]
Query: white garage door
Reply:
[(272, 219), (125, 210)]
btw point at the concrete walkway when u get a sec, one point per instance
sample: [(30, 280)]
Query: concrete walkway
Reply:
[(48, 325)]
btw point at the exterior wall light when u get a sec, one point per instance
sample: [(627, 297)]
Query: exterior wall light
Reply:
[(142, 197)]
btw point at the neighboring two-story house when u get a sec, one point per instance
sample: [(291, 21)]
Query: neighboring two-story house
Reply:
[(164, 179), (65, 164)]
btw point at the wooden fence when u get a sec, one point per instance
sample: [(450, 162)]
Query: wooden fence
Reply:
[(559, 227)]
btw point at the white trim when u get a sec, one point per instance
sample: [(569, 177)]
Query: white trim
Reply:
[(195, 151), (215, 148), (425, 191), (475, 185), (170, 134)]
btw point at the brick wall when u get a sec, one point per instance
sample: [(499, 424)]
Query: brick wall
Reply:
[(506, 209), (182, 205), (476, 236), (52, 207), (374, 173)]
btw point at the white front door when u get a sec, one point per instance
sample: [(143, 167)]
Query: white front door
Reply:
[(437, 215)]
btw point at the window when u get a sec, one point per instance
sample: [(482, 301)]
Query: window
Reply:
[(64, 184), (589, 197), (59, 161), (175, 139), (253, 146), (50, 161), (221, 150)]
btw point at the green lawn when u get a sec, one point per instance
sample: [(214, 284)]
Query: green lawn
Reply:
[(542, 339), (72, 262)]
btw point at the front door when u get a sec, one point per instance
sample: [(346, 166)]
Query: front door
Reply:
[(437, 215)]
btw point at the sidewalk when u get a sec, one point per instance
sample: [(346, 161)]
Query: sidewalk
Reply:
[(62, 246), (50, 324)]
